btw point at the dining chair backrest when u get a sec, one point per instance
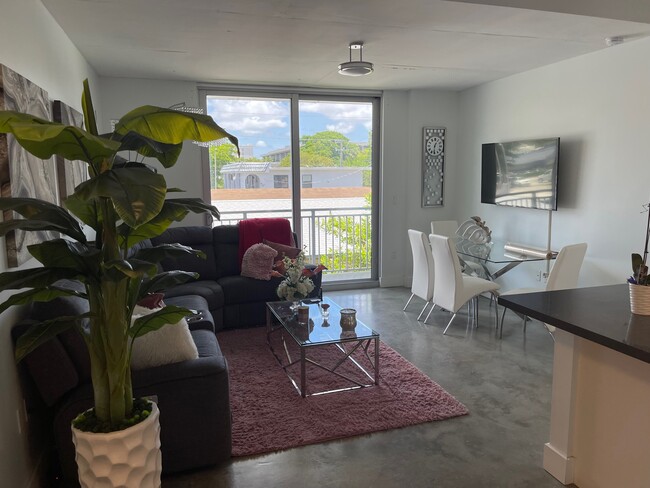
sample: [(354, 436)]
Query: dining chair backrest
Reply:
[(422, 284), (447, 272), (445, 228), (565, 271)]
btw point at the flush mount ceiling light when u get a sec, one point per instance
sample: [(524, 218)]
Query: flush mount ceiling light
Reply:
[(356, 68)]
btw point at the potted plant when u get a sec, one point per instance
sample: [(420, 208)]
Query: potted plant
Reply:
[(639, 282), (124, 203)]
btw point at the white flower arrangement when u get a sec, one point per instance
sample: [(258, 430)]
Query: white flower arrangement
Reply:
[(297, 283)]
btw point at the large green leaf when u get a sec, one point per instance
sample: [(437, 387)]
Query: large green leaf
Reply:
[(61, 253), (170, 314), (137, 193), (40, 215), (171, 126), (167, 154), (34, 277), (163, 251), (163, 281), (43, 138), (42, 332), (84, 209), (173, 210), (88, 109), (195, 205), (37, 295), (133, 268)]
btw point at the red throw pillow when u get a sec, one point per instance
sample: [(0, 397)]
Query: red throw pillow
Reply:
[(283, 250)]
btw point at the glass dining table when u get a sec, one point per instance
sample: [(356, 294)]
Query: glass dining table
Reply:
[(493, 252)]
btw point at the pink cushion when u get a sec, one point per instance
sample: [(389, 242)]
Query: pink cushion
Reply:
[(283, 250), (258, 262)]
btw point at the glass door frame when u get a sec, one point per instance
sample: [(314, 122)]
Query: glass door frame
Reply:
[(295, 95)]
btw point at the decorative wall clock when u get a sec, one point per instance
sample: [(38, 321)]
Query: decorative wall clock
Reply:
[(433, 166)]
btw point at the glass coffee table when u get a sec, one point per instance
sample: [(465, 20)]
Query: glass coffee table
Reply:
[(282, 325)]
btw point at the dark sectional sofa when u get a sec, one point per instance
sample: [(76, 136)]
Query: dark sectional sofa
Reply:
[(193, 395)]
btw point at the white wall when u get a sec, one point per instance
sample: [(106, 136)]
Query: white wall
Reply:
[(599, 105), (32, 44), (404, 115)]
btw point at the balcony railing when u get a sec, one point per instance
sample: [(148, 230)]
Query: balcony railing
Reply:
[(338, 238)]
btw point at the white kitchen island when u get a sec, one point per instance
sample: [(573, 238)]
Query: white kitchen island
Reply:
[(600, 410)]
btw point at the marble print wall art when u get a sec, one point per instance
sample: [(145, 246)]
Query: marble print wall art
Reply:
[(22, 174)]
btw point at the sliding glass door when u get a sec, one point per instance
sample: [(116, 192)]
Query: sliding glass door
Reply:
[(336, 184), (309, 158)]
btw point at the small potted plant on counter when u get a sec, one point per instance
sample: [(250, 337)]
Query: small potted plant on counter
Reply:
[(639, 282)]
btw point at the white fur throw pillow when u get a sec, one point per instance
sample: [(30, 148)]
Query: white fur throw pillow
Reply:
[(258, 262), (171, 343)]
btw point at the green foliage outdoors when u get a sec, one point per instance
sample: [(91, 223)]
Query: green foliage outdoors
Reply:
[(330, 144), (220, 156), (309, 160), (124, 203), (354, 235)]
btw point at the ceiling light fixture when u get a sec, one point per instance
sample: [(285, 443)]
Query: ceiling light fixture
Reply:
[(356, 68)]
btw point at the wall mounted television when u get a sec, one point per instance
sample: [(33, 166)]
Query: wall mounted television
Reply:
[(521, 173)]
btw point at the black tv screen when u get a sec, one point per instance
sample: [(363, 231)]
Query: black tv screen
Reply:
[(521, 173)]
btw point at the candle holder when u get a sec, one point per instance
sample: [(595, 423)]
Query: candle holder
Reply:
[(348, 318)]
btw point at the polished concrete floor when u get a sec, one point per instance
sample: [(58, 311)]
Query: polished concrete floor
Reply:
[(505, 384)]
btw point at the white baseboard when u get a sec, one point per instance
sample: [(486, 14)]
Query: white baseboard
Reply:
[(558, 465)]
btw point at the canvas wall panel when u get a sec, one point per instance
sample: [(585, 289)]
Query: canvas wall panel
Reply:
[(21, 174)]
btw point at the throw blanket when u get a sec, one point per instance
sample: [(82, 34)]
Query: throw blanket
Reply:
[(253, 231)]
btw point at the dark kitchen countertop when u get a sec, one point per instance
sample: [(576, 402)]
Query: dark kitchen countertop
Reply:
[(600, 314)]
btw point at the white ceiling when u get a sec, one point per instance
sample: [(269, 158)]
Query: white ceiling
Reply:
[(413, 43)]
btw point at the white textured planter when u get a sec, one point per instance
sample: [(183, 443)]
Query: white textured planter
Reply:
[(639, 299), (127, 458)]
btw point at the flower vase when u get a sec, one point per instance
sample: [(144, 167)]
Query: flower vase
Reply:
[(294, 306)]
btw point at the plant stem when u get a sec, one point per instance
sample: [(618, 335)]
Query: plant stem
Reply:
[(109, 351)]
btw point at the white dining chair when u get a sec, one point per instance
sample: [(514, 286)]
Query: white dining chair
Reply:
[(563, 275), (449, 228), (422, 284), (453, 289)]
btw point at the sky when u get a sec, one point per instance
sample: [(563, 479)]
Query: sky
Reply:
[(265, 123)]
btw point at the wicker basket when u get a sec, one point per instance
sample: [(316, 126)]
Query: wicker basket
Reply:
[(639, 299)]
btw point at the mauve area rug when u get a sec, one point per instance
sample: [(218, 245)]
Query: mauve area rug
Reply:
[(270, 415)]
